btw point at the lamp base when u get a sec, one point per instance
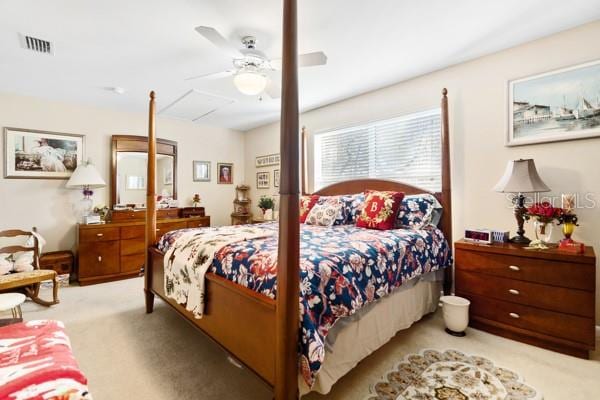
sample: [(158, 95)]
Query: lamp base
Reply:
[(520, 239)]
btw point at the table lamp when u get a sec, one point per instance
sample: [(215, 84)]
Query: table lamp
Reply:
[(85, 177), (520, 177)]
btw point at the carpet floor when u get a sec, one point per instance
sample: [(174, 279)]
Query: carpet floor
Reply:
[(127, 354)]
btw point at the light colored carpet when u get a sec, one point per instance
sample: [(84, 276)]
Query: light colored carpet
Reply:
[(127, 354)]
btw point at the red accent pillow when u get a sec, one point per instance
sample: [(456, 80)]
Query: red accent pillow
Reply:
[(306, 204), (380, 210)]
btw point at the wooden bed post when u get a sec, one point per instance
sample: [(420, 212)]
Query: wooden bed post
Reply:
[(150, 204), (303, 162), (288, 269), (446, 187)]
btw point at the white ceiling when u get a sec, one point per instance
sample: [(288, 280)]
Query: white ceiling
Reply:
[(151, 44)]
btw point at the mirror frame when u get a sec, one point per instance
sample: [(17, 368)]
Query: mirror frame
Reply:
[(139, 144)]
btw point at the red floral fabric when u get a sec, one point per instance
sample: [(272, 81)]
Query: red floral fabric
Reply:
[(306, 204), (380, 209), (36, 363)]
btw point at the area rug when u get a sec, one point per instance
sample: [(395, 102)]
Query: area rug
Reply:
[(451, 375)]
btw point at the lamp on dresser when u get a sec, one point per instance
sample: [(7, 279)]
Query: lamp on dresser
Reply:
[(520, 177), (85, 177)]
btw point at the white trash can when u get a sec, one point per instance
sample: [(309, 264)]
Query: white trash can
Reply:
[(456, 314)]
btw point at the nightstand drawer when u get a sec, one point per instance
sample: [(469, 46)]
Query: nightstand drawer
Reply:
[(98, 234), (577, 329), (554, 298), (564, 274)]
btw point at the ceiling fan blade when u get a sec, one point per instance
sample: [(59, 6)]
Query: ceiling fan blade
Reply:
[(312, 59), (214, 75), (218, 40), (304, 60), (273, 89)]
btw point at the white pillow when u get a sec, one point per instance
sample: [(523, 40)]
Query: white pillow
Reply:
[(23, 261), (324, 214), (6, 264)]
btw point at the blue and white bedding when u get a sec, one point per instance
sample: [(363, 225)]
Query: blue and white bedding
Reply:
[(342, 269)]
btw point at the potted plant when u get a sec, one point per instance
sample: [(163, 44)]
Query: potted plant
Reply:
[(196, 200), (266, 203), (543, 215)]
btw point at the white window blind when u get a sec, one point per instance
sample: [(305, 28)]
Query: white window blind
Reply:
[(406, 149)]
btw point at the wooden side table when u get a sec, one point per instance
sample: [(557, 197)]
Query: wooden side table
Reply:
[(542, 297)]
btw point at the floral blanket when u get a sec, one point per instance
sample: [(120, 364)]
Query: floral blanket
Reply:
[(342, 269), (36, 363), (188, 259)]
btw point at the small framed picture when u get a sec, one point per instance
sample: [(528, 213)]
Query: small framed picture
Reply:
[(276, 178), (201, 171), (225, 173), (268, 160), (168, 176), (30, 154), (263, 180)]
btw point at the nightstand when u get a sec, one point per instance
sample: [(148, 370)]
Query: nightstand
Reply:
[(541, 297)]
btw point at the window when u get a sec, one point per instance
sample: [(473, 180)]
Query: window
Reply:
[(406, 149), (136, 182)]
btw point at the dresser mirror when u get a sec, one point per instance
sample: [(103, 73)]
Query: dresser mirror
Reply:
[(129, 165)]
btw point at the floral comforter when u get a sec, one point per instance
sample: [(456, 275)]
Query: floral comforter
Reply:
[(342, 269)]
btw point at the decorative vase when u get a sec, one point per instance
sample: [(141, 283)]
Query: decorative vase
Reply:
[(268, 215), (543, 230), (567, 229)]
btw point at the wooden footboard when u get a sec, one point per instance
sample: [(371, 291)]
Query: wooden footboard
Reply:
[(238, 319)]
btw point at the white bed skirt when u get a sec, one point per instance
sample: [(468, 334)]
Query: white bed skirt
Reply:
[(361, 336)]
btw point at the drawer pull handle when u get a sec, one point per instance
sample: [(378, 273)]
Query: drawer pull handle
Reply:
[(99, 258), (513, 291), (514, 268), (99, 234), (514, 315)]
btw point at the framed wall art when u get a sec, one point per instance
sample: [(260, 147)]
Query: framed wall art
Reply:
[(37, 154), (225, 173), (263, 180), (201, 171), (554, 106), (267, 161)]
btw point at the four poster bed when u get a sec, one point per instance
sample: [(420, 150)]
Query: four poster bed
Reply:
[(256, 321)]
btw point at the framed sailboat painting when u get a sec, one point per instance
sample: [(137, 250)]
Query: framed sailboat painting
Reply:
[(555, 106)]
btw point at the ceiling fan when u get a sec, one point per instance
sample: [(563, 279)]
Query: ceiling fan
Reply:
[(252, 69)]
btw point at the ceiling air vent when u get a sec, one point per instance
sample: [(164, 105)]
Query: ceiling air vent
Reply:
[(36, 44)]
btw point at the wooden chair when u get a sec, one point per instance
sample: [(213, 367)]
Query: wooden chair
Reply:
[(28, 282)]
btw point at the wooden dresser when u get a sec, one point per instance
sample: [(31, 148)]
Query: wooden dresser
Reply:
[(541, 297), (117, 250)]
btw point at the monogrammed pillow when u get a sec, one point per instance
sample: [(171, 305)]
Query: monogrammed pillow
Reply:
[(380, 210)]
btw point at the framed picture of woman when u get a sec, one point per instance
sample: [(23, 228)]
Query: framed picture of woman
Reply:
[(37, 154), (225, 173)]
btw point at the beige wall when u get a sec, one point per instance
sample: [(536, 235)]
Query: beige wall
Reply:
[(477, 95), (48, 205)]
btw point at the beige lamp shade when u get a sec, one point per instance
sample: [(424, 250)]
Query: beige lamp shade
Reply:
[(521, 176), (85, 176)]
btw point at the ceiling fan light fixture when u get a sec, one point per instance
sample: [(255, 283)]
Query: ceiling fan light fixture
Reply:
[(250, 83)]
